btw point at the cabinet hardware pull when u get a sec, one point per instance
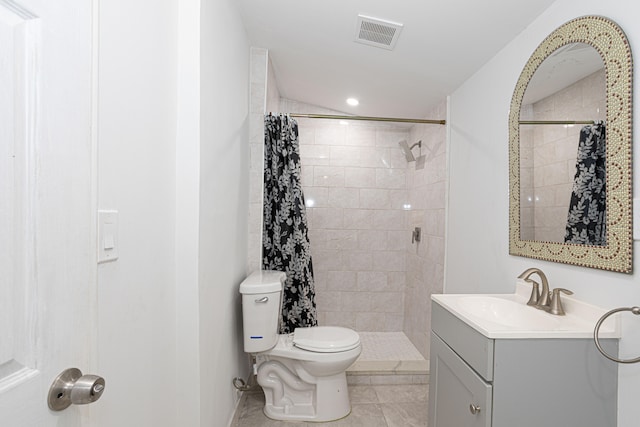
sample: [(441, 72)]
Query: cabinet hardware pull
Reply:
[(475, 409)]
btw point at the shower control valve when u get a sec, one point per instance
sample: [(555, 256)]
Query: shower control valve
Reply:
[(416, 235)]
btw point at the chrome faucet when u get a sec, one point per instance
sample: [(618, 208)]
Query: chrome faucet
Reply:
[(537, 300)]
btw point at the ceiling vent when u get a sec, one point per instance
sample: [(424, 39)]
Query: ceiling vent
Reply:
[(377, 32)]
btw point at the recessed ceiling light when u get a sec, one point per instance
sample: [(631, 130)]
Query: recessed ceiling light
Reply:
[(353, 102)]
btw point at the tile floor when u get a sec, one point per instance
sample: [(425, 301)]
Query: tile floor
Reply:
[(388, 358), (387, 346), (372, 406)]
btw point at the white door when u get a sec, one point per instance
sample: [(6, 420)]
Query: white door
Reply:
[(47, 192)]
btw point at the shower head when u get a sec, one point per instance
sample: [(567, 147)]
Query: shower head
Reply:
[(406, 150)]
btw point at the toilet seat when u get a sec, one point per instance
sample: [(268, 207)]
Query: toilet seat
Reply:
[(325, 339)]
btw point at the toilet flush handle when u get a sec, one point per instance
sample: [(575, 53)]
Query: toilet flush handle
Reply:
[(262, 300)]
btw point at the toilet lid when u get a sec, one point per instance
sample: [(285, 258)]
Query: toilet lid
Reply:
[(325, 339)]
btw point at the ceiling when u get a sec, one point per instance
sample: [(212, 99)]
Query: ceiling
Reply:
[(442, 43)]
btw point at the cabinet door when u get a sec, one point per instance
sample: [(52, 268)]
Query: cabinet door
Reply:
[(458, 396)]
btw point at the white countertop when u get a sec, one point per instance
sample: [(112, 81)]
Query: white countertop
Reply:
[(507, 316)]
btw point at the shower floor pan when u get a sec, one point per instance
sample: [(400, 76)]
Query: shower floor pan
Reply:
[(388, 358)]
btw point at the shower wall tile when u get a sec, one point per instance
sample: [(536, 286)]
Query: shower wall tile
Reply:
[(426, 188), (397, 280), (359, 261), (359, 177), (255, 218), (391, 158), (327, 176), (355, 185), (397, 240), (316, 197), (256, 128), (342, 281), (387, 302), (328, 134), (373, 239), (359, 302), (259, 95), (389, 137), (392, 219), (373, 281), (258, 65), (359, 219), (327, 218), (320, 280), (256, 158), (391, 178), (370, 322), (346, 319), (257, 102), (326, 260), (375, 198), (307, 175), (343, 197), (328, 298), (306, 134), (393, 322), (361, 135), (315, 155), (342, 239), (399, 199), (389, 260)]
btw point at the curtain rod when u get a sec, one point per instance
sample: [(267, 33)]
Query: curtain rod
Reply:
[(556, 122), (365, 118)]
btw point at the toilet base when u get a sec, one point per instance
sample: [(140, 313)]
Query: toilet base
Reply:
[(289, 398)]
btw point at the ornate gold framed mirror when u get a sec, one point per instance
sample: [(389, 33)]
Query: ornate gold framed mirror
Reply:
[(583, 68)]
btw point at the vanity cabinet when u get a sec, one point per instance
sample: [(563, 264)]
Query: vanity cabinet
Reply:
[(478, 381)]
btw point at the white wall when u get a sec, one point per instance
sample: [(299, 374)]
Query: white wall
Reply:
[(173, 160), (187, 207), (224, 204), (136, 176), (477, 248)]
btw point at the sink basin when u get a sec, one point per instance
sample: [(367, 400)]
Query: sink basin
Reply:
[(507, 312), (509, 316)]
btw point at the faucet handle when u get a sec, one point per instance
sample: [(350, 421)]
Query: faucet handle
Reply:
[(556, 303), (535, 292)]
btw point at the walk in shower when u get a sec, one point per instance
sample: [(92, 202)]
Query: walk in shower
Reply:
[(364, 200)]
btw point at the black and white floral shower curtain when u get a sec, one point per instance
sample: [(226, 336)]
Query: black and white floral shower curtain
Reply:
[(586, 222), (285, 242)]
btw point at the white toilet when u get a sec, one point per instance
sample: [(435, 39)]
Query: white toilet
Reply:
[(303, 373)]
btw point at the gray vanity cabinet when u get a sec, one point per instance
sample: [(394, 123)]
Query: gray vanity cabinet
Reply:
[(477, 381)]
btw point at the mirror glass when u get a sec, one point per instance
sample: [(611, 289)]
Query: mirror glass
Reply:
[(570, 149), (568, 86)]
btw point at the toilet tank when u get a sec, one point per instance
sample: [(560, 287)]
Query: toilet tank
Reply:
[(261, 299)]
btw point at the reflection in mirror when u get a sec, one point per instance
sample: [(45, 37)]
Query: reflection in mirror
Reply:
[(569, 85), (571, 121)]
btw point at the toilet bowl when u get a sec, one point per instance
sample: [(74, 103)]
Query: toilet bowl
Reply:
[(302, 374)]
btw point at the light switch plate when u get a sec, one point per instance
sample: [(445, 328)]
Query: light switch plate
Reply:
[(107, 236)]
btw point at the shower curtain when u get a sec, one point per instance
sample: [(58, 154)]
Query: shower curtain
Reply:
[(586, 222), (285, 243)]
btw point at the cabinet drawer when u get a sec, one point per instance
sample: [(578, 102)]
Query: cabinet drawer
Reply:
[(469, 344), (460, 397)]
